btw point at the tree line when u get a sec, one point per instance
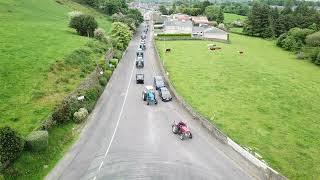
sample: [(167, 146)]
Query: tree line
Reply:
[(296, 29)]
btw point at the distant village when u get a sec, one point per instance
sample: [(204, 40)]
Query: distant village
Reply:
[(198, 26)]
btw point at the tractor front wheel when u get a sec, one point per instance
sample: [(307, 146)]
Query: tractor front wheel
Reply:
[(181, 137)]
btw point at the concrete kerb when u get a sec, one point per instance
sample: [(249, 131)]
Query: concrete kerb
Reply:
[(268, 172)]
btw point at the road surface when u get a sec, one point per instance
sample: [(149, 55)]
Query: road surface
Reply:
[(126, 139)]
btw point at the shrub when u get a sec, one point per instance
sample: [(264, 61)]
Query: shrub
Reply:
[(300, 55), (214, 23), (84, 25), (99, 34), (314, 54), (313, 39), (103, 81), (280, 40), (11, 144), (114, 62), (62, 112), (37, 140), (80, 115), (91, 95), (108, 74), (117, 54), (74, 14), (317, 61), (221, 26)]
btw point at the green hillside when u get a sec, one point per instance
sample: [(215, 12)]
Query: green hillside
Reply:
[(35, 41), (34, 34), (229, 18)]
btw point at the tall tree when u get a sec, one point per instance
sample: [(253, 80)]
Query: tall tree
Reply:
[(163, 10), (258, 22), (213, 13)]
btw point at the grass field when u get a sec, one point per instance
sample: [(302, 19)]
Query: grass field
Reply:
[(264, 99), (34, 39), (34, 34), (229, 18)]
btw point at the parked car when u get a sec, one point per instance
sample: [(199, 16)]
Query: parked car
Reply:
[(140, 78), (149, 95), (158, 82), (164, 94), (139, 62)]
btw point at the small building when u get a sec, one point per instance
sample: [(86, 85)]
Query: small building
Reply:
[(173, 26), (209, 33), (215, 33)]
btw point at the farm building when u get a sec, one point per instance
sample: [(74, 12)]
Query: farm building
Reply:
[(209, 33), (173, 26)]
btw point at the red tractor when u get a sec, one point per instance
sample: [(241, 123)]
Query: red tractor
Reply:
[(181, 129)]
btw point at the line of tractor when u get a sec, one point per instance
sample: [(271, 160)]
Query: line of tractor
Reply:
[(149, 92)]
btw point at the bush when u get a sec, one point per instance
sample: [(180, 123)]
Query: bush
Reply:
[(214, 23), (80, 115), (37, 140), (74, 14), (121, 34), (300, 55), (84, 25), (91, 95), (117, 54), (103, 81), (99, 34), (280, 40), (314, 54), (313, 39), (114, 62), (62, 112), (221, 26), (317, 61), (11, 144), (108, 74)]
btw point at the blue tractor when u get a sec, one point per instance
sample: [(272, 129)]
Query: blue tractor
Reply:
[(149, 95)]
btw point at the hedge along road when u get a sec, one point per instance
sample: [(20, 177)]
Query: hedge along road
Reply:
[(126, 139)]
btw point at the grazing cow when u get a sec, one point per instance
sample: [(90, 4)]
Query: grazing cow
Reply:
[(240, 52), (168, 50)]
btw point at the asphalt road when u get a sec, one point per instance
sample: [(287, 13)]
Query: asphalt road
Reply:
[(126, 139)]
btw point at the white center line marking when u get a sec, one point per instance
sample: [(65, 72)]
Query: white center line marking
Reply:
[(116, 128)]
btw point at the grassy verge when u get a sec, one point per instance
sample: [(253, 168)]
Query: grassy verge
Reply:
[(37, 72), (37, 165), (264, 99), (35, 35)]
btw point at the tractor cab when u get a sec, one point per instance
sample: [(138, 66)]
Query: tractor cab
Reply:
[(149, 95), (140, 52), (139, 62), (142, 46)]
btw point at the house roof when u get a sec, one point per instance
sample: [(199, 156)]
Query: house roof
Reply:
[(200, 19), (178, 23), (214, 30), (181, 17)]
